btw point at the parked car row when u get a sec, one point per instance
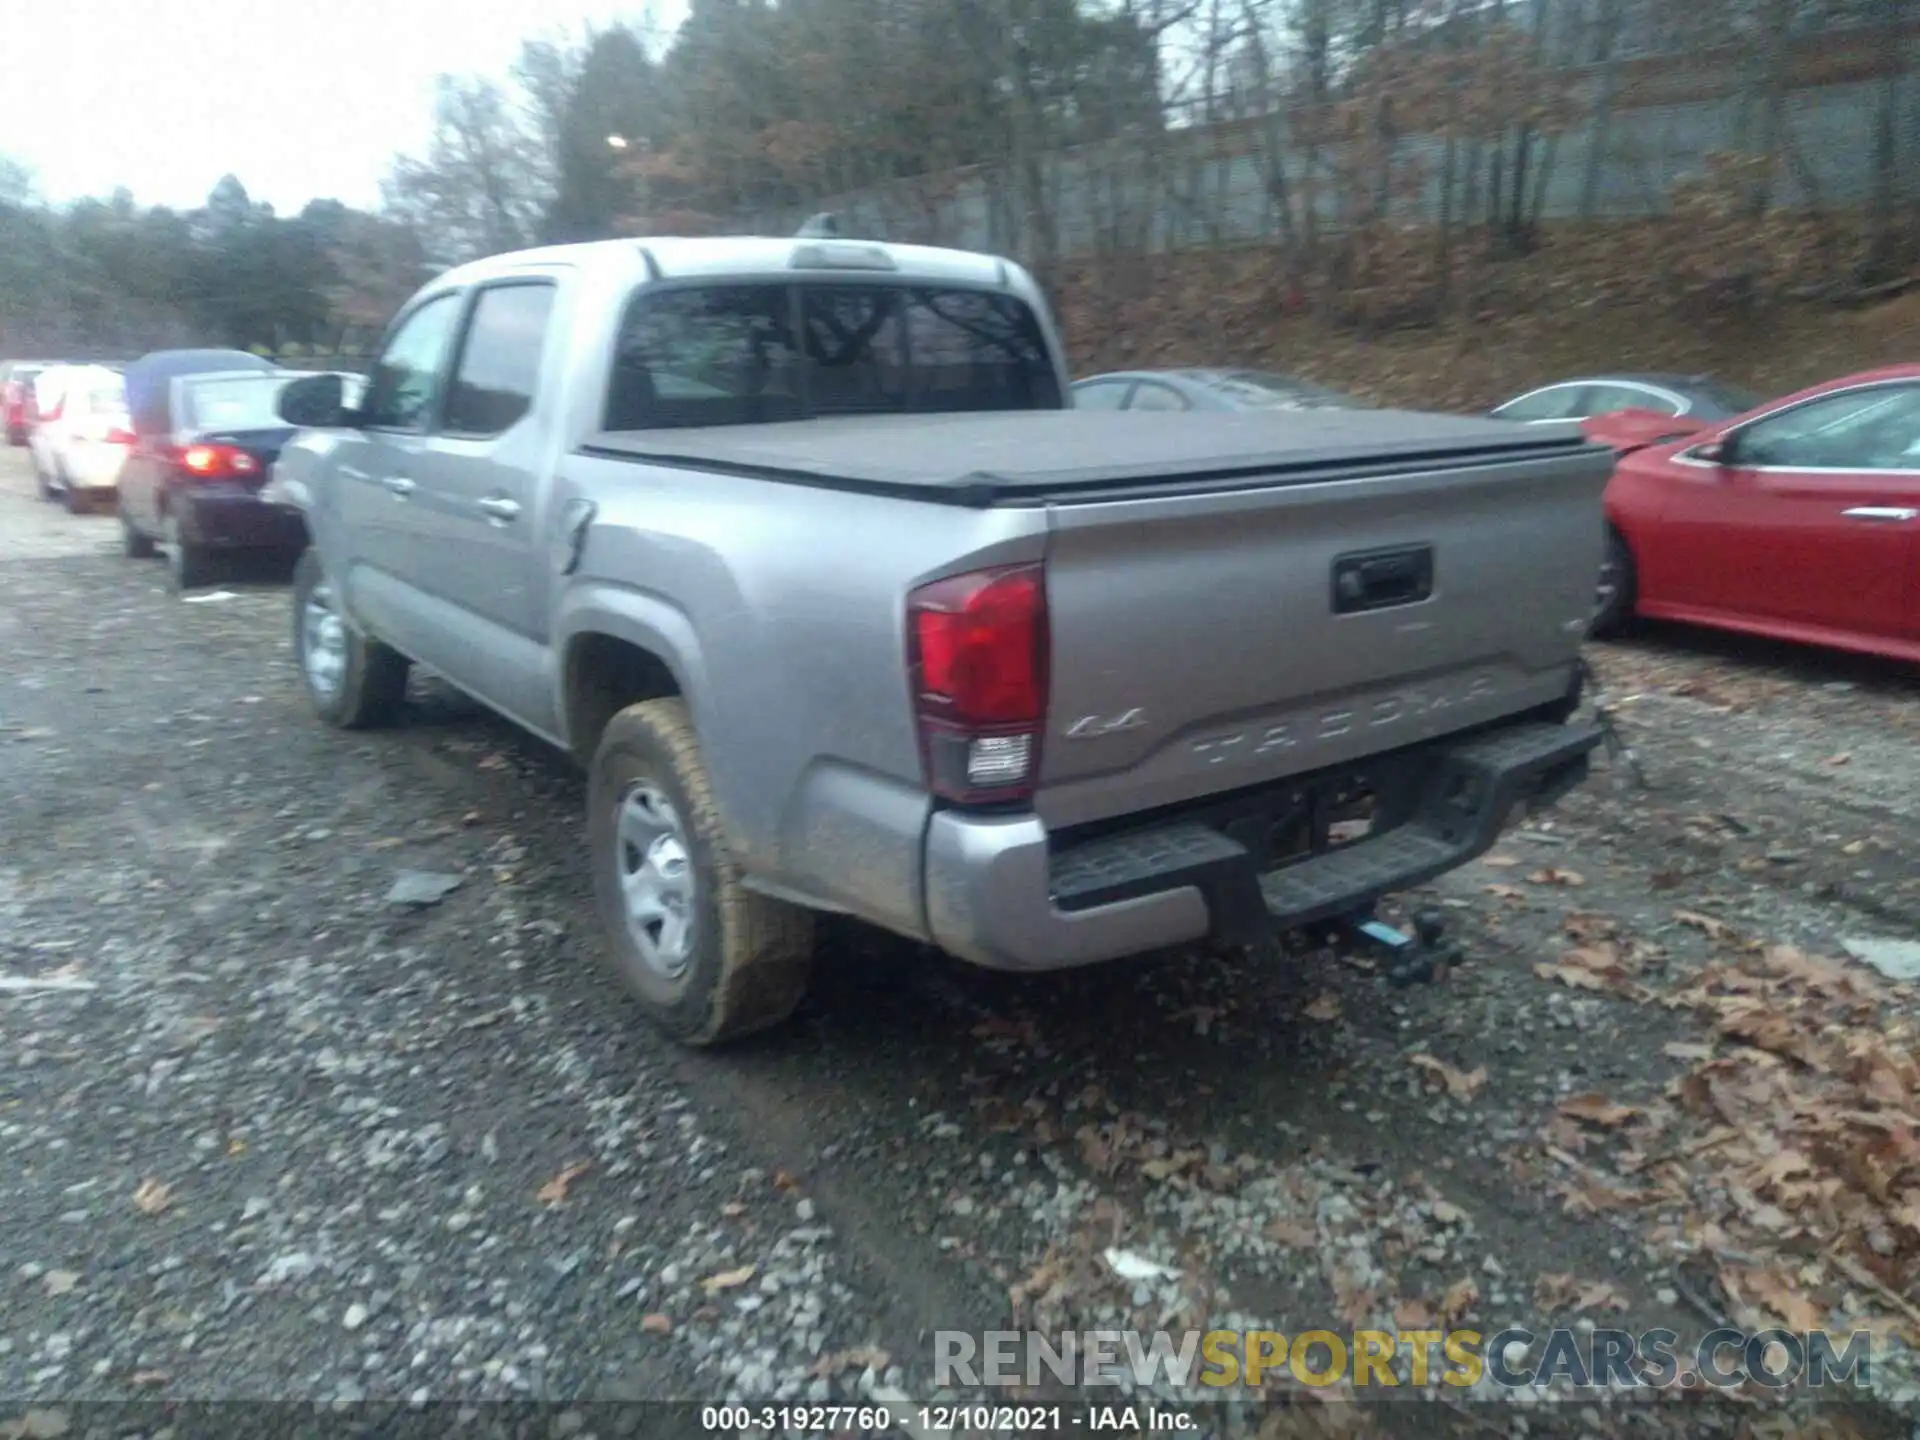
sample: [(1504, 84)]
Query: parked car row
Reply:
[(1796, 517), (181, 442)]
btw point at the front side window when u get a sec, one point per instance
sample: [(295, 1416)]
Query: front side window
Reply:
[(755, 353), (401, 387), (493, 381), (1556, 403), (1871, 429)]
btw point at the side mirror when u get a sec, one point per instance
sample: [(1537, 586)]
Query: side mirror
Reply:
[(317, 402), (1714, 452)]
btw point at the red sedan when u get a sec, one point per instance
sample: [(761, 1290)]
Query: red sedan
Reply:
[(1799, 519)]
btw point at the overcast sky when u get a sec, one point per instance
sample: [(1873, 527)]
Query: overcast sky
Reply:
[(302, 99)]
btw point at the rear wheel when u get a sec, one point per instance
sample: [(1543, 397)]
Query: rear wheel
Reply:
[(709, 959), (1614, 595), (189, 566), (354, 681), (78, 501)]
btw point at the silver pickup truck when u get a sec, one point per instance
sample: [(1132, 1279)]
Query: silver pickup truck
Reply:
[(797, 547)]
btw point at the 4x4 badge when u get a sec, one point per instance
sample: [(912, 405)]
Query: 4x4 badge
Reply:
[(1092, 727)]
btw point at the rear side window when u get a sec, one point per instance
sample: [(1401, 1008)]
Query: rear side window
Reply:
[(1557, 403), (1151, 396), (493, 382), (1605, 399), (1100, 394), (745, 354), (400, 391)]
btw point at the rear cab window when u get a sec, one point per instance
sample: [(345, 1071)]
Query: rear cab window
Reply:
[(761, 352)]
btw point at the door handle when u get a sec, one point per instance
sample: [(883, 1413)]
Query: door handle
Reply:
[(399, 485), (1891, 513), (498, 507)]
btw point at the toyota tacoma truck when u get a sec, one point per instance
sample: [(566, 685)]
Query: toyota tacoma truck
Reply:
[(799, 547)]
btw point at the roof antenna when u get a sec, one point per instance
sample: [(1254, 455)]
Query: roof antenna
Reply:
[(824, 226)]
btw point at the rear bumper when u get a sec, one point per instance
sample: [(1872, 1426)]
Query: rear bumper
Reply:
[(235, 518), (999, 893)]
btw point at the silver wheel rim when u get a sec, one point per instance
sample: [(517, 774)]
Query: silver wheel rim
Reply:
[(654, 867), (323, 642)]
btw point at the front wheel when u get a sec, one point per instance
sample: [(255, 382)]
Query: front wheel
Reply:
[(1613, 599), (354, 681), (709, 959)]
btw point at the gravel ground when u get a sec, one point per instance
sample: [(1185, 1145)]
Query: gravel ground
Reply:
[(279, 1138)]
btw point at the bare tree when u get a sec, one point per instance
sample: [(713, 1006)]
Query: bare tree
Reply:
[(481, 187)]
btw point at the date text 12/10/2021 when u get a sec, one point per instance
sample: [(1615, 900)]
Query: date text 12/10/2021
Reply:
[(944, 1419)]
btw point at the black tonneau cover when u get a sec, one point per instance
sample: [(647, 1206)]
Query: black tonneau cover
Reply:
[(1025, 457)]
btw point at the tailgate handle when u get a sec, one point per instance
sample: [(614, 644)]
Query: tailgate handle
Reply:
[(1381, 579)]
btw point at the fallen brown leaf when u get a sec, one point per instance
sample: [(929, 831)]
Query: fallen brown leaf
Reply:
[(1596, 1109), (861, 1357), (1297, 1234), (1461, 1084), (1326, 1008), (1842, 758), (1713, 929), (1506, 892), (656, 1324), (728, 1280), (783, 1181), (1415, 1315), (555, 1190), (1572, 976), (1460, 1298), (153, 1196), (1573, 879), (1779, 1295)]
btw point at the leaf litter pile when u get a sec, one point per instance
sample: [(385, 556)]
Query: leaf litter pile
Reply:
[(1784, 1161)]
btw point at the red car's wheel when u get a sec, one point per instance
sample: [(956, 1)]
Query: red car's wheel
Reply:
[(1613, 598)]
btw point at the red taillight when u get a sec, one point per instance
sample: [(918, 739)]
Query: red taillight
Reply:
[(119, 435), (977, 653), (216, 462)]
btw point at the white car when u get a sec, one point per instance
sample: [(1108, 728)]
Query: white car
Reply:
[(81, 435)]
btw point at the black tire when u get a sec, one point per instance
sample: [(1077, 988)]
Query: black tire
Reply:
[(1614, 594), (77, 500), (372, 690), (189, 566), (135, 543), (749, 955)]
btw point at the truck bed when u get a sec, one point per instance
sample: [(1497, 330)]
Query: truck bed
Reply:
[(981, 460)]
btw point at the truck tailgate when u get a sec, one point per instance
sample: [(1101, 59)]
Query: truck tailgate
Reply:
[(1218, 638)]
